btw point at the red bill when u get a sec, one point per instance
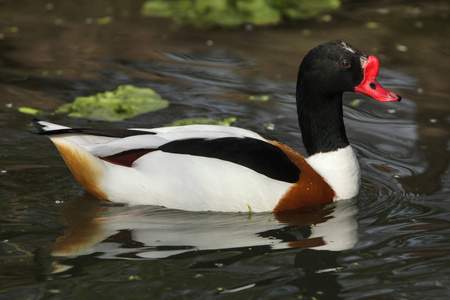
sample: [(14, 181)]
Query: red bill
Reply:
[(370, 87)]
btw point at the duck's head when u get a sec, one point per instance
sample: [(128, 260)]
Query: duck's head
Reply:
[(325, 73), (335, 67)]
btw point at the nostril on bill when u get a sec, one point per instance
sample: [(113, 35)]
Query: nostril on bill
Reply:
[(373, 86)]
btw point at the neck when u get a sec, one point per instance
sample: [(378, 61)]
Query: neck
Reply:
[(321, 122)]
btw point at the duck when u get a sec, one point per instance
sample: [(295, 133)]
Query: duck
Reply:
[(230, 169)]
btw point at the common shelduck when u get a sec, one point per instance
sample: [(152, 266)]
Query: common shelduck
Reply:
[(219, 168)]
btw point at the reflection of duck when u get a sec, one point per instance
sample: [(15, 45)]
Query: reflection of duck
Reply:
[(138, 232), (200, 168)]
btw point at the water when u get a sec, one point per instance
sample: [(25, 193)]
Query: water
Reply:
[(392, 242)]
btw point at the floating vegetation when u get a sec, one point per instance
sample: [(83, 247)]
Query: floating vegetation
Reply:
[(372, 25), (104, 21), (231, 13), (29, 111), (261, 98), (125, 102), (201, 120)]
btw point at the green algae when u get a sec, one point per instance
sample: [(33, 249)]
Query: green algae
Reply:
[(260, 98), (29, 111), (125, 102), (204, 121), (104, 21), (232, 13)]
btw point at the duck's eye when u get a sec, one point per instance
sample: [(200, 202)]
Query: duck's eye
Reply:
[(345, 64)]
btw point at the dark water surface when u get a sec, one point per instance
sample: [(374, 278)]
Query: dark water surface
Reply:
[(392, 242)]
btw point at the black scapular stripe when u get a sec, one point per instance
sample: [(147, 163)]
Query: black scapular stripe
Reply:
[(114, 133), (257, 155)]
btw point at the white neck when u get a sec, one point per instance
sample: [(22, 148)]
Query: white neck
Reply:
[(340, 169)]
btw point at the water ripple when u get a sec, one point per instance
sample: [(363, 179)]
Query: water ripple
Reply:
[(209, 57)]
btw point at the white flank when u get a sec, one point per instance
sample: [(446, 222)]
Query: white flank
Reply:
[(192, 183), (340, 169)]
